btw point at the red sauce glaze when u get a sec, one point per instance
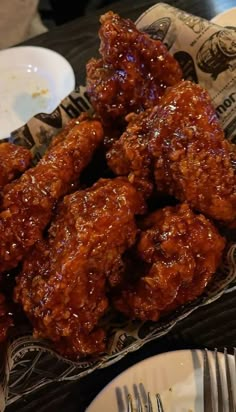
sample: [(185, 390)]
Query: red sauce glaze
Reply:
[(179, 146), (180, 252), (62, 287), (14, 160), (28, 202), (133, 72)]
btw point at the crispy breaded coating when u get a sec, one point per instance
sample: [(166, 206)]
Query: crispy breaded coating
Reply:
[(28, 203), (129, 155), (133, 72), (14, 160), (180, 145), (193, 160), (62, 287), (177, 252)]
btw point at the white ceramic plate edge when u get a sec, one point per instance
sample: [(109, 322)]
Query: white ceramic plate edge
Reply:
[(176, 375), (33, 80)]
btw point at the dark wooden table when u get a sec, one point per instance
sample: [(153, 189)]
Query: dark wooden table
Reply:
[(213, 325)]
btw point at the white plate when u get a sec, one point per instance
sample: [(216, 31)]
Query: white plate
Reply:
[(177, 376), (32, 80), (227, 18)]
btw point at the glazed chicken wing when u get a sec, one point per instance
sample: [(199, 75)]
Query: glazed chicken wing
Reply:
[(62, 287), (133, 72), (14, 160), (28, 203), (180, 146), (177, 254)]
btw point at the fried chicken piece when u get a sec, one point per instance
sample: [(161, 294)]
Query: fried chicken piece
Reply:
[(133, 72), (60, 137), (178, 252), (14, 160), (28, 203), (62, 287), (129, 156), (180, 145)]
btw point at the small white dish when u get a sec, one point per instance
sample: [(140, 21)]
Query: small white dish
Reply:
[(177, 376), (226, 18), (32, 80)]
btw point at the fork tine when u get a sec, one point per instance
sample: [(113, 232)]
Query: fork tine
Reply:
[(140, 409), (138, 402), (143, 394), (159, 403), (207, 387), (130, 404), (137, 397), (149, 403), (218, 383), (229, 382)]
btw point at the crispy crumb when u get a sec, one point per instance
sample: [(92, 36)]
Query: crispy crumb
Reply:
[(29, 206), (40, 93), (107, 212), (123, 80), (176, 146), (179, 235), (170, 389)]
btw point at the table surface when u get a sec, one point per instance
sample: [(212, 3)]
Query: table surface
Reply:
[(211, 326)]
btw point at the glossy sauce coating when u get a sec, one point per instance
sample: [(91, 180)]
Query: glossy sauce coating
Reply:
[(130, 156), (62, 287), (133, 72), (179, 252), (180, 146), (14, 160), (193, 160), (28, 202)]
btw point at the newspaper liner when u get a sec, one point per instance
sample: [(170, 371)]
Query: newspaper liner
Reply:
[(207, 54)]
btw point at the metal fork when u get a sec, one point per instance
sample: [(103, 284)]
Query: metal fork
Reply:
[(210, 403), (137, 399), (149, 404)]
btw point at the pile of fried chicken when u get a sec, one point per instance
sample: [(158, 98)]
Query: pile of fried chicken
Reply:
[(81, 250)]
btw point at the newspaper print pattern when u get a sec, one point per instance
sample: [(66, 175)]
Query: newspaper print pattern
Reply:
[(28, 364)]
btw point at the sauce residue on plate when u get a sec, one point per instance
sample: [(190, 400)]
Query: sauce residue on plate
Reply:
[(40, 93)]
